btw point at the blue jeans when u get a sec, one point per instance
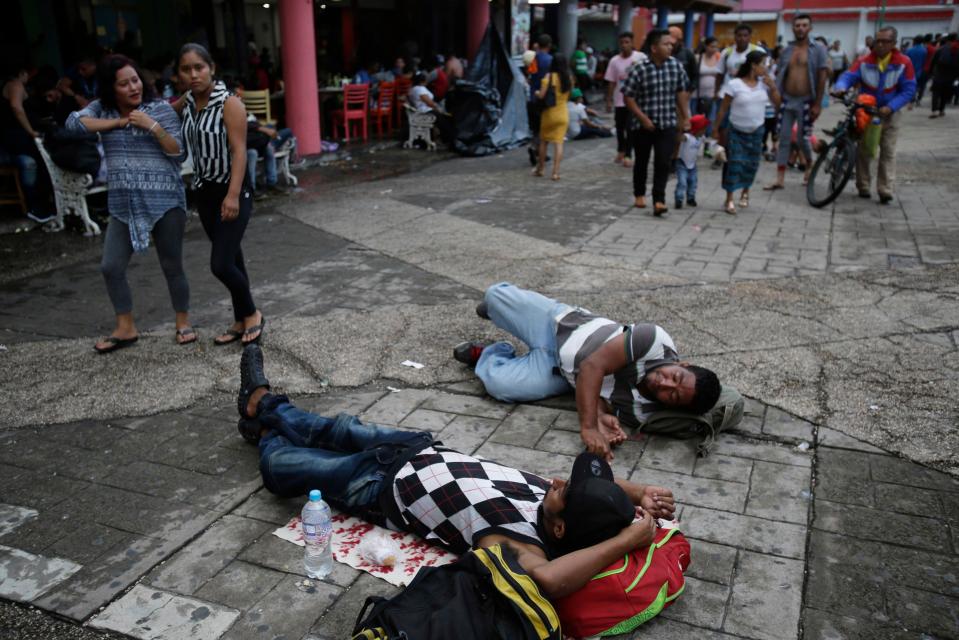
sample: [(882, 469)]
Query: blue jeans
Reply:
[(344, 458), (531, 317), (686, 182), (269, 158)]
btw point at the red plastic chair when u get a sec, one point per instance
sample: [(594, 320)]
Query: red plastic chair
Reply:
[(403, 85), (355, 104), (384, 108)]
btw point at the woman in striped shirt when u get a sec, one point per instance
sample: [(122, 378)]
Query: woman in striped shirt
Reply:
[(214, 129), (141, 140)]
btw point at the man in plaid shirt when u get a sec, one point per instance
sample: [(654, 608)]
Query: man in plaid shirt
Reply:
[(656, 92), (562, 532)]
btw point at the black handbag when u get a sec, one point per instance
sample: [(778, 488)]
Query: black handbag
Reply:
[(549, 100), (73, 150)]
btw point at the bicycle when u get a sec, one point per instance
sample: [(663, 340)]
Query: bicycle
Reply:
[(835, 165)]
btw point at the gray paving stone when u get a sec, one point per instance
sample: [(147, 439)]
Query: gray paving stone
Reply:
[(899, 471), (36, 489), (669, 454), (12, 516), (265, 506), (835, 485), (206, 556), (467, 405), (931, 613), (87, 542), (170, 482), (823, 625), (524, 425), (881, 525), (149, 614), (779, 492), (702, 604), (567, 421), (334, 403), (730, 445), (720, 467), (827, 437), (711, 562), (664, 628), (287, 611), (559, 441), (273, 553), (548, 465), (783, 425), (427, 420), (690, 490), (239, 585), (466, 433), (751, 425), (748, 532), (767, 589), (338, 620), (909, 500), (393, 407), (24, 577)]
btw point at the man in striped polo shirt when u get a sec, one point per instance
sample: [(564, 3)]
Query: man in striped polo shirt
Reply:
[(621, 373)]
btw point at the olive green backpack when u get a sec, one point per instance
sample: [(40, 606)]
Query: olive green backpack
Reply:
[(725, 414)]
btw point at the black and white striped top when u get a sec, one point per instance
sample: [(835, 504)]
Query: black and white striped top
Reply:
[(579, 333), (205, 136)]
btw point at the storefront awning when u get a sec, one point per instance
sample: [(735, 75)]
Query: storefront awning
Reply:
[(702, 6)]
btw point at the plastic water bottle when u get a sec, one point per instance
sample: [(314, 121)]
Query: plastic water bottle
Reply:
[(318, 535)]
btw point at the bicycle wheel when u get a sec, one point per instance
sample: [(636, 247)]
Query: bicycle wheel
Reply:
[(831, 172)]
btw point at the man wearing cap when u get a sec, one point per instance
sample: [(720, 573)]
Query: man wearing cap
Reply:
[(562, 531)]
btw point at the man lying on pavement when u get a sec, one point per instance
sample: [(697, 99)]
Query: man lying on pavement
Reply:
[(562, 531), (619, 371)]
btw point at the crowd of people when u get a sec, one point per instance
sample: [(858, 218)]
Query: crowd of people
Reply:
[(738, 104)]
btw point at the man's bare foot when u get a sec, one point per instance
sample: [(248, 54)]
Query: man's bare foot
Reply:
[(254, 401)]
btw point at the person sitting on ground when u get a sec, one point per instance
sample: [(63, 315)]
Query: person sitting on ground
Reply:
[(264, 142), (562, 531), (580, 126), (422, 101), (620, 372)]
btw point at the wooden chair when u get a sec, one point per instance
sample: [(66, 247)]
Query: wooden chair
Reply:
[(258, 103), (403, 85), (15, 194), (384, 108), (356, 100)]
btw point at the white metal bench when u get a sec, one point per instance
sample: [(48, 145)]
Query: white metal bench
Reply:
[(70, 191), (282, 156), (421, 127)]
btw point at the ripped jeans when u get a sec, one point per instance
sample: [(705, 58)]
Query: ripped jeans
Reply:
[(347, 460)]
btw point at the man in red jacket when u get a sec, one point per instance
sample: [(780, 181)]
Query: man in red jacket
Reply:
[(887, 74)]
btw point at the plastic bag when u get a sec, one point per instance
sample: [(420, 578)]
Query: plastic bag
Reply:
[(379, 549)]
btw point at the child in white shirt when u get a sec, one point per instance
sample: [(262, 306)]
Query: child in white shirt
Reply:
[(686, 175)]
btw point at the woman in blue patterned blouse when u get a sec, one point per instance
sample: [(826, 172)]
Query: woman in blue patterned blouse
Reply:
[(143, 145)]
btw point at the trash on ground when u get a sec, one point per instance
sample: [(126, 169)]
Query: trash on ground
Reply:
[(410, 363), (803, 446), (392, 389), (386, 191), (874, 407), (697, 228), (378, 549), (482, 201)]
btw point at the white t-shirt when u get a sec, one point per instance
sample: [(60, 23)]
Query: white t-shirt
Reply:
[(416, 98), (616, 71), (747, 112), (708, 75), (577, 113)]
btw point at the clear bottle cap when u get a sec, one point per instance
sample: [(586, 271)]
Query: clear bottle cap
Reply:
[(315, 495)]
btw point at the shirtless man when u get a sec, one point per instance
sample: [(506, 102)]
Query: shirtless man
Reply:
[(801, 80)]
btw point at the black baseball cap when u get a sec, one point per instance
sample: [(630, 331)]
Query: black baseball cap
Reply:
[(596, 507)]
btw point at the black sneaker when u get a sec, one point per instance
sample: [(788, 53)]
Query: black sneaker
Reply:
[(469, 352), (864, 195), (250, 429), (482, 310), (532, 156), (884, 198), (692, 202), (678, 204), (277, 190), (258, 196), (251, 376)]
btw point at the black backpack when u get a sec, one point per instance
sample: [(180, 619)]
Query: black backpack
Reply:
[(74, 150), (484, 595)]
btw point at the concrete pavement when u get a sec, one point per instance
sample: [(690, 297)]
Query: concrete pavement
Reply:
[(840, 325)]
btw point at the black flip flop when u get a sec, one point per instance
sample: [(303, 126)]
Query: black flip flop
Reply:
[(116, 343), (184, 332), (254, 329), (234, 336)]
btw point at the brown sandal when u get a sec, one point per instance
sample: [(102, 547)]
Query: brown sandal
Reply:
[(233, 334), (183, 333)]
